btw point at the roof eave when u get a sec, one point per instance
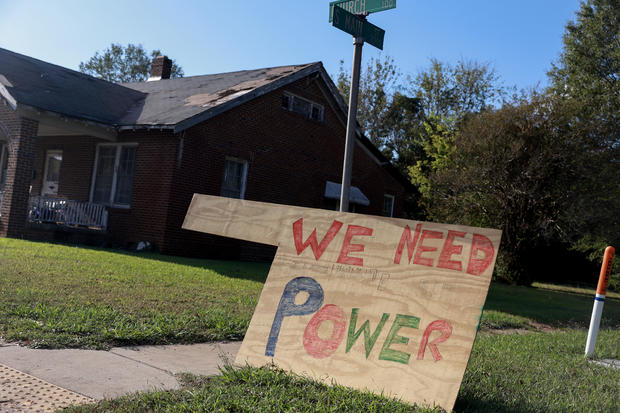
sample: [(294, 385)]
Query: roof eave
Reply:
[(85, 126), (146, 126)]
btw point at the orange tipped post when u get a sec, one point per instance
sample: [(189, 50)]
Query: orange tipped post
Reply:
[(599, 300)]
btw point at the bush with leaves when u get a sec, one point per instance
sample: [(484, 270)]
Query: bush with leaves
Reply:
[(524, 168)]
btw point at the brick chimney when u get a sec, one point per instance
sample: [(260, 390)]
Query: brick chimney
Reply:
[(160, 68)]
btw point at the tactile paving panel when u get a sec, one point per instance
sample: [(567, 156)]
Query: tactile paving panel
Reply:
[(21, 392)]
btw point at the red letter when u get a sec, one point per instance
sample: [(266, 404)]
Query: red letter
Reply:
[(422, 248), (315, 345), (347, 247), (477, 266), (319, 249), (446, 332), (406, 238), (449, 250)]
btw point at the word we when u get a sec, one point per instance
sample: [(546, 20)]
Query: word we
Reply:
[(480, 256), (320, 348)]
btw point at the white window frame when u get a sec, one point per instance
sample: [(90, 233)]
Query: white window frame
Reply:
[(393, 199), (117, 158), (244, 177), (292, 97)]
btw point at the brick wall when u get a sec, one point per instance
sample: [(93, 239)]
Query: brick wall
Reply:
[(289, 157), (21, 133), (155, 165), (145, 219), (76, 169)]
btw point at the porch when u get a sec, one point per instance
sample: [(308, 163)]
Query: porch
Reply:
[(55, 179), (67, 213)]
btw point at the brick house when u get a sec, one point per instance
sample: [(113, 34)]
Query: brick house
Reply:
[(85, 160)]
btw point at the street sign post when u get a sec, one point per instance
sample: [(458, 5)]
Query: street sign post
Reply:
[(350, 16), (357, 27), (361, 6)]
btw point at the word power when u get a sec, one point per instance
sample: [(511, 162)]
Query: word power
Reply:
[(320, 348)]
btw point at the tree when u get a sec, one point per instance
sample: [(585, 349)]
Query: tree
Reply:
[(401, 129), (124, 64), (589, 67), (454, 91), (588, 74), (525, 168), (393, 114), (447, 95), (378, 82)]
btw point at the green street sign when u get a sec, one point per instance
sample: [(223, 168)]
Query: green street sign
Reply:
[(357, 27), (361, 6)]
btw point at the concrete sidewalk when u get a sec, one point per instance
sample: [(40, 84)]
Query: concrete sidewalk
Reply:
[(99, 374)]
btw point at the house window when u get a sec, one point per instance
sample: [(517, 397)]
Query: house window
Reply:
[(4, 163), (305, 107), (286, 102), (235, 177), (388, 205), (113, 177)]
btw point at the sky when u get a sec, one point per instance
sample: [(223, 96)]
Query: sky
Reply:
[(520, 39)]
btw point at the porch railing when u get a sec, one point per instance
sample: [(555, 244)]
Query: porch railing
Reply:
[(67, 212)]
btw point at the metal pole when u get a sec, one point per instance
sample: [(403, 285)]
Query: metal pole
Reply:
[(347, 166)]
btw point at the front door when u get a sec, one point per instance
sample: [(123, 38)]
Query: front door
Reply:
[(51, 174)]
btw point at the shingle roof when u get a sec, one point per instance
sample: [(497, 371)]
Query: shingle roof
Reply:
[(175, 103), (194, 99), (53, 88), (171, 103)]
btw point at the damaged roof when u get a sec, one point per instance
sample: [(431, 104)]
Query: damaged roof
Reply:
[(169, 103), (185, 101)]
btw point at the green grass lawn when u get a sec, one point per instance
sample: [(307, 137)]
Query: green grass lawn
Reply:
[(55, 296), (536, 372), (555, 306), (527, 358)]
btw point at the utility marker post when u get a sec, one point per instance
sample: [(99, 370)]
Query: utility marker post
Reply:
[(362, 31), (349, 147), (599, 300)]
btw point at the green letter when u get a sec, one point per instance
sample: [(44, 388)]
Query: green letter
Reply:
[(369, 340), (394, 355)]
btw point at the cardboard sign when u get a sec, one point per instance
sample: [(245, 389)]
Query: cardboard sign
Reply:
[(383, 304)]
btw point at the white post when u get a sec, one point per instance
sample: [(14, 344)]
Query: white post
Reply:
[(595, 323), (599, 300)]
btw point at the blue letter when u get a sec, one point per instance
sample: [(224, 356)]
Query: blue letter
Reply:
[(287, 306)]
